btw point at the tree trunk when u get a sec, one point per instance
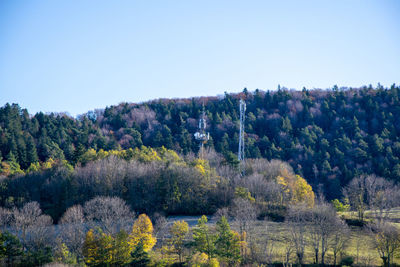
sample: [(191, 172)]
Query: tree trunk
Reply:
[(300, 258), (334, 258)]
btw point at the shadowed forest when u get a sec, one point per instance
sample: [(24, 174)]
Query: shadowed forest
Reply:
[(319, 184)]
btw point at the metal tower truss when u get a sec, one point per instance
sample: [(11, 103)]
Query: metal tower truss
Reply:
[(241, 135)]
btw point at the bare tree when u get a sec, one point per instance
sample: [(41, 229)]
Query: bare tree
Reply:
[(160, 227), (72, 229), (262, 188), (339, 240), (382, 196), (323, 220), (296, 221), (287, 254), (221, 212), (110, 213), (386, 241), (73, 215), (244, 213), (5, 217), (213, 157), (376, 193), (355, 192), (33, 227)]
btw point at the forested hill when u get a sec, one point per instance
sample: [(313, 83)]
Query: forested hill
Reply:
[(328, 136)]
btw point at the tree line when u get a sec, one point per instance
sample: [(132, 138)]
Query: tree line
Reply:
[(327, 136), (157, 180)]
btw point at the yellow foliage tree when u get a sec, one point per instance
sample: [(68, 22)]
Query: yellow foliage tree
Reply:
[(102, 154), (302, 192), (294, 188), (98, 249), (203, 167), (179, 231), (142, 230), (244, 193), (88, 156), (169, 155), (48, 164), (202, 260), (90, 249), (34, 167), (146, 154)]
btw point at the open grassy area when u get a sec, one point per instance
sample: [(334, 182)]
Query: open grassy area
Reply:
[(271, 241), (359, 246), (393, 215)]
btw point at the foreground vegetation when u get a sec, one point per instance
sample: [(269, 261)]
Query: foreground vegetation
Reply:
[(269, 215), (100, 238)]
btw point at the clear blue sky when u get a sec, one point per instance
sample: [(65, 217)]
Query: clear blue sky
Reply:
[(76, 56)]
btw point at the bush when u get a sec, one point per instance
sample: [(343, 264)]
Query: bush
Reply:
[(355, 222), (347, 261)]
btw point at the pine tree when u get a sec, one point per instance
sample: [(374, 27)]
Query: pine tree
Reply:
[(227, 243), (203, 238), (140, 258)]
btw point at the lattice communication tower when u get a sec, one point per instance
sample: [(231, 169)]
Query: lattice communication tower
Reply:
[(241, 135)]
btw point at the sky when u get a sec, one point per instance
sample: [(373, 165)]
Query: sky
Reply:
[(74, 56)]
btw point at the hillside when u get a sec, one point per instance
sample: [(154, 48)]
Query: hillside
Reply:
[(327, 136)]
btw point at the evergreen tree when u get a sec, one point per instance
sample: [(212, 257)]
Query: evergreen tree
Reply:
[(140, 258), (227, 244), (203, 238)]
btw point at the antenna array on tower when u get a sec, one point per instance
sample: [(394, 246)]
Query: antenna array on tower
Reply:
[(202, 136)]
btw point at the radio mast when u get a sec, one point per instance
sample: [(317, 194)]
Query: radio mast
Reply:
[(202, 136), (242, 106)]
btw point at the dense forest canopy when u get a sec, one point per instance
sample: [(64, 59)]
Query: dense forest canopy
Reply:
[(327, 136)]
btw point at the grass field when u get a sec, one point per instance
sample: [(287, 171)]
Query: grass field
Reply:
[(270, 238), (359, 245)]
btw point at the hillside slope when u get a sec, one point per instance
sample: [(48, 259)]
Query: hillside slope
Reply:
[(328, 136)]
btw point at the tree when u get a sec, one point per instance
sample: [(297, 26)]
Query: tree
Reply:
[(98, 249), (32, 226), (386, 241), (355, 192), (121, 249), (142, 231), (11, 166), (370, 191), (339, 240), (90, 249), (294, 188), (339, 206), (140, 257), (109, 213), (31, 153), (10, 247), (296, 222), (244, 212), (178, 231), (382, 196), (323, 222), (227, 243), (72, 229), (62, 254), (203, 239)]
